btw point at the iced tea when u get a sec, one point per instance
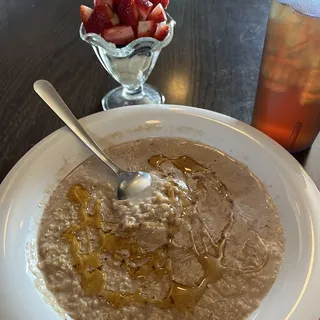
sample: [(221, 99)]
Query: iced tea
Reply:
[(287, 105)]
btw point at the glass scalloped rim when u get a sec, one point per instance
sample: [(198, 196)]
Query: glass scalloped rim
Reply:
[(131, 66)]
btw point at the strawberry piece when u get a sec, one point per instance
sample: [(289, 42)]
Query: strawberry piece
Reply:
[(164, 3), (107, 7), (113, 17), (113, 4), (144, 8), (158, 14), (128, 12), (98, 20), (103, 2), (115, 20), (85, 13), (146, 28), (110, 3), (120, 35), (161, 32), (116, 4)]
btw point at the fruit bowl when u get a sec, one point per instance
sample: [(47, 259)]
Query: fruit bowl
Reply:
[(128, 46)]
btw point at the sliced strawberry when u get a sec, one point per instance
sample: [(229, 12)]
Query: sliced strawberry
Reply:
[(110, 3), (120, 35), (161, 32), (116, 4), (128, 12), (144, 8), (107, 7), (158, 14), (99, 2), (146, 28), (85, 13), (115, 20), (164, 3), (98, 20), (103, 2), (113, 17)]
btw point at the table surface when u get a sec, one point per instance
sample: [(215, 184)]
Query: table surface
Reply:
[(213, 63)]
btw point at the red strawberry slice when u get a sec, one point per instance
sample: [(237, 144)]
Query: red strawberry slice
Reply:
[(164, 3), (128, 12), (113, 17), (115, 20), (146, 28), (120, 35), (144, 8), (98, 20), (161, 32), (85, 13), (158, 14), (104, 3), (116, 3), (110, 3)]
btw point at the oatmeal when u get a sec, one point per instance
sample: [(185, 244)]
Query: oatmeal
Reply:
[(206, 244)]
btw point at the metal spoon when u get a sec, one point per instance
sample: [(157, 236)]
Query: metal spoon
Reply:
[(130, 184)]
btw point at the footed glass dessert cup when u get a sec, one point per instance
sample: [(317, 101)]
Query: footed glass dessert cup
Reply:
[(130, 66)]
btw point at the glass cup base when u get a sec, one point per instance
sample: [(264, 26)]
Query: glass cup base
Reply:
[(115, 98)]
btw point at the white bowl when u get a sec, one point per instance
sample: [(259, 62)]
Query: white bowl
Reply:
[(296, 292)]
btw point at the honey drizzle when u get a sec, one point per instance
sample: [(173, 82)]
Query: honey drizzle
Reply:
[(184, 164), (156, 263)]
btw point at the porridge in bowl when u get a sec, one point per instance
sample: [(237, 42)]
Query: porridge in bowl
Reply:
[(206, 244)]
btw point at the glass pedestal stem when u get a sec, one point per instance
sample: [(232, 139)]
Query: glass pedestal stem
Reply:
[(133, 94)]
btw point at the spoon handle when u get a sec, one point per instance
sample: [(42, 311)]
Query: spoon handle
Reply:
[(52, 98)]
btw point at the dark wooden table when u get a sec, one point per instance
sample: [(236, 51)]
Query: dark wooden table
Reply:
[(212, 63)]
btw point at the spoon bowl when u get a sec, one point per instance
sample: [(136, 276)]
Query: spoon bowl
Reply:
[(130, 184)]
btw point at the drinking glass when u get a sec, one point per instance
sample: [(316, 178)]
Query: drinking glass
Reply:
[(287, 106), (130, 66)]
